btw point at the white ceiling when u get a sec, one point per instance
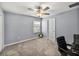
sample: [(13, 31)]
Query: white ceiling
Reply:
[(21, 7)]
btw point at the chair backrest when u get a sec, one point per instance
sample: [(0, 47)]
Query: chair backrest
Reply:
[(61, 42), (75, 45), (76, 38)]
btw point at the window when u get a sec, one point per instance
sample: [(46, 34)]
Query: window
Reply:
[(36, 26)]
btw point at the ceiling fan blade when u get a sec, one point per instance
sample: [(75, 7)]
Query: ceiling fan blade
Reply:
[(45, 13), (46, 8), (30, 9), (38, 7)]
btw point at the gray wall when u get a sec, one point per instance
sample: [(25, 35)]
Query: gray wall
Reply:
[(18, 27), (78, 19), (67, 24)]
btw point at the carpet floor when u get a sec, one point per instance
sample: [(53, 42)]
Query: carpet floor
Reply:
[(36, 47)]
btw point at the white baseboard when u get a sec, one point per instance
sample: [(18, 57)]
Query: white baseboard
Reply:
[(20, 41)]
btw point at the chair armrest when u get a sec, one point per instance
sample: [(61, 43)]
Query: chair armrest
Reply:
[(69, 45), (63, 50)]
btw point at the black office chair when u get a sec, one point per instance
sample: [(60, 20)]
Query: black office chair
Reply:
[(62, 47), (75, 45)]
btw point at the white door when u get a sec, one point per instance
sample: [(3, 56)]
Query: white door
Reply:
[(52, 29), (1, 34), (44, 27)]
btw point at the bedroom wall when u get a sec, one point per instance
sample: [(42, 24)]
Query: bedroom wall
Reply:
[(18, 27), (67, 24), (78, 18), (1, 29)]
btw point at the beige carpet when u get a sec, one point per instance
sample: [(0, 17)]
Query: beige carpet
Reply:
[(36, 47)]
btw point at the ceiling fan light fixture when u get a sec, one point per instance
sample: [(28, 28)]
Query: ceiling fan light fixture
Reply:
[(39, 14)]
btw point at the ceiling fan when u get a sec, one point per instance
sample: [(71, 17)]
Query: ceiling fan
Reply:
[(40, 11)]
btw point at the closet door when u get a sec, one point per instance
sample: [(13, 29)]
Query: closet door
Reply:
[(1, 34), (44, 27), (52, 29)]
